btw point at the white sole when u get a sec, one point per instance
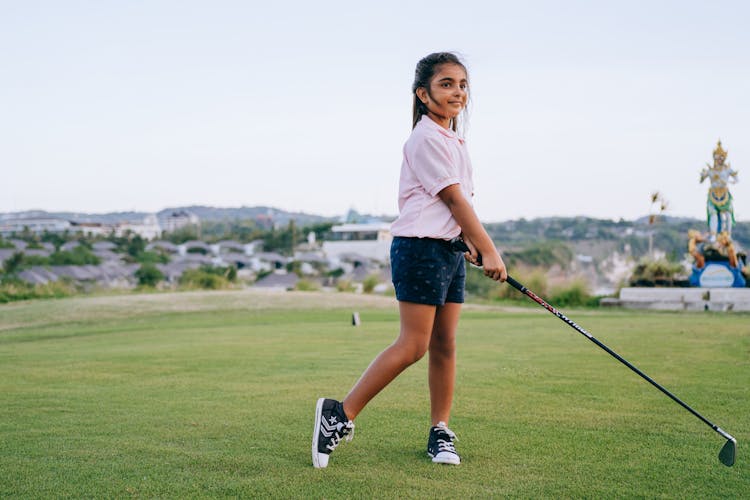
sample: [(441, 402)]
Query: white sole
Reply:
[(316, 432), (447, 461)]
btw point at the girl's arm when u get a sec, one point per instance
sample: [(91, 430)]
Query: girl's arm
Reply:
[(474, 232)]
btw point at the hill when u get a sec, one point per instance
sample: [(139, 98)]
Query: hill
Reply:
[(205, 213), (669, 234)]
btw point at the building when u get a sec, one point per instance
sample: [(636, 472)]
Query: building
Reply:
[(36, 225), (92, 228), (149, 229), (180, 219), (372, 240)]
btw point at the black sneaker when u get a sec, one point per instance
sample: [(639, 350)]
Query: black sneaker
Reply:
[(440, 446), (331, 424)]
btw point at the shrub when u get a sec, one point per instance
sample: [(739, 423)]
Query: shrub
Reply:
[(13, 290), (295, 267), (575, 293), (148, 275), (209, 277), (370, 282), (203, 278), (35, 260), (649, 271), (151, 257), (305, 285), (14, 263), (335, 273), (231, 274), (477, 284), (79, 256), (535, 279), (344, 286)]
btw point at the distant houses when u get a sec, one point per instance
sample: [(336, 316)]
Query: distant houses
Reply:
[(111, 274), (371, 240), (91, 229), (148, 228), (350, 253), (36, 225), (180, 219)]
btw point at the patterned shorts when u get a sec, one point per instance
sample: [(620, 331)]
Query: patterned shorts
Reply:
[(427, 271)]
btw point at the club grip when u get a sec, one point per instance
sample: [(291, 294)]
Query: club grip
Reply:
[(515, 284), (460, 245)]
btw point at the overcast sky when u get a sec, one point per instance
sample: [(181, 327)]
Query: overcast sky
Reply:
[(578, 107)]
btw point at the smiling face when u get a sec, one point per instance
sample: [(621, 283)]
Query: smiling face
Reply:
[(447, 94)]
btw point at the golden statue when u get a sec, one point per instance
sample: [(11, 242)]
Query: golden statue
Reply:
[(724, 247), (726, 244), (695, 237), (719, 210)]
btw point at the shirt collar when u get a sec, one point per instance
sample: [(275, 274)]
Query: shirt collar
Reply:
[(429, 122)]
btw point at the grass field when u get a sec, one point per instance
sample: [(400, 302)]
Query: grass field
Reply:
[(212, 395)]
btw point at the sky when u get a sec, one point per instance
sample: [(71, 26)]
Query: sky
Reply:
[(577, 107)]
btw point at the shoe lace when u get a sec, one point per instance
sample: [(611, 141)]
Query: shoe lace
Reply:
[(347, 431), (445, 438)]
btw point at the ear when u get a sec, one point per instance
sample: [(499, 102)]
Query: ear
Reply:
[(422, 94)]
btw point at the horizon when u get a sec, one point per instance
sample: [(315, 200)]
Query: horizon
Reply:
[(315, 214)]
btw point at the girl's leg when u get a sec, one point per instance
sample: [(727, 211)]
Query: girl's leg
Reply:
[(416, 328), (442, 366)]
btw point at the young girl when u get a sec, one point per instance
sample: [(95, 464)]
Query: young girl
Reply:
[(435, 192)]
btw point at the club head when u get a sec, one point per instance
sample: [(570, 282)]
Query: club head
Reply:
[(728, 452)]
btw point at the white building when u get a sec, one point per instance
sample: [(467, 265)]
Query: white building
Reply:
[(372, 240), (92, 228), (177, 220), (149, 229), (36, 225)]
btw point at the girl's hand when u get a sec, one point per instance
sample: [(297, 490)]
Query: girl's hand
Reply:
[(475, 236), (472, 256), (494, 267)]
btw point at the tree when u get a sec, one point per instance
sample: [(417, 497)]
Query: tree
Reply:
[(13, 264), (149, 275), (78, 256)]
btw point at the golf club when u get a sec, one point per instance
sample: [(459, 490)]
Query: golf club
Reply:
[(728, 452)]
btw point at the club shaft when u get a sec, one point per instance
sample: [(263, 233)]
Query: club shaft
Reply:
[(518, 286)]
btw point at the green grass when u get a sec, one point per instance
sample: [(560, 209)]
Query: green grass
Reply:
[(212, 395)]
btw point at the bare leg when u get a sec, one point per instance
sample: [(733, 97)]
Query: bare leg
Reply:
[(416, 328), (442, 367)]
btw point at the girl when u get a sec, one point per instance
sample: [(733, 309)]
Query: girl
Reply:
[(435, 192)]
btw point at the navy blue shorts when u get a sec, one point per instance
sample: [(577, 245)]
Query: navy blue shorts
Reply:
[(427, 271)]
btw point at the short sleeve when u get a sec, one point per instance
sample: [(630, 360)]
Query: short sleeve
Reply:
[(430, 160)]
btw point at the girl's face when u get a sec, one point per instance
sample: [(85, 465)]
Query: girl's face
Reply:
[(447, 95)]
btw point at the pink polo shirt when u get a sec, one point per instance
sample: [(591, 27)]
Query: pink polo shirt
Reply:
[(434, 158)]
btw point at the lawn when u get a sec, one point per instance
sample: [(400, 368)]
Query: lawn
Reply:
[(211, 394)]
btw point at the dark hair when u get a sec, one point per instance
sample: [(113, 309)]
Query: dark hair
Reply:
[(426, 69)]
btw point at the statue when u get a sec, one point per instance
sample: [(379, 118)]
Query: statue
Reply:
[(694, 240), (719, 210), (723, 249), (717, 260)]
